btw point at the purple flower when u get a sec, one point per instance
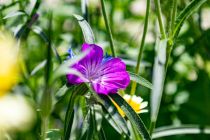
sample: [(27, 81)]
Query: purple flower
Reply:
[(106, 74)]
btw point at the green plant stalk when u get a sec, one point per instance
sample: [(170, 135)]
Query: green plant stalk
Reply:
[(169, 43), (46, 102), (108, 28), (176, 28), (160, 20), (25, 29), (173, 18), (134, 84), (44, 127)]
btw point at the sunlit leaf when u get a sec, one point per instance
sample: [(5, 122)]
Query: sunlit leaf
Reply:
[(38, 30), (188, 11), (158, 77), (38, 67), (86, 29), (113, 116), (180, 130), (142, 81), (15, 14), (132, 116)]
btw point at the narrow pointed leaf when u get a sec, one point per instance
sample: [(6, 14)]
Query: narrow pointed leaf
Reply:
[(180, 130), (132, 116), (138, 79), (114, 118), (86, 29), (158, 78), (15, 14), (38, 67), (188, 11)]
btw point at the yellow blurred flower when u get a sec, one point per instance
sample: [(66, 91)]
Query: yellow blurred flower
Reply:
[(135, 102), (8, 62)]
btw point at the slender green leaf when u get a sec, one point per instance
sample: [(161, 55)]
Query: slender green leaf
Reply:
[(92, 127), (114, 118), (158, 78), (79, 90), (102, 135), (86, 29), (38, 30), (142, 81), (77, 123), (98, 116), (180, 130), (4, 7), (38, 67), (85, 126), (132, 116), (15, 14), (188, 11), (134, 133)]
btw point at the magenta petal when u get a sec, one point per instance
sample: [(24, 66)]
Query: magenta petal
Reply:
[(93, 59), (73, 79), (87, 66), (113, 76)]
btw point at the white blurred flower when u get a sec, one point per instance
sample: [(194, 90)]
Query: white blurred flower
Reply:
[(138, 7), (3, 2), (16, 114), (205, 18), (51, 4)]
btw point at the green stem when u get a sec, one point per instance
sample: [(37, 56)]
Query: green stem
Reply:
[(46, 102), (45, 122), (152, 127), (160, 20), (108, 28), (172, 20), (133, 86), (170, 42)]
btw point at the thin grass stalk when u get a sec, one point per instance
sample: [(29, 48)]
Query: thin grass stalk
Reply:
[(108, 28), (134, 84), (46, 102), (160, 20), (173, 17)]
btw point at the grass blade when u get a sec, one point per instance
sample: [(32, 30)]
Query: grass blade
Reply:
[(158, 80), (180, 130), (86, 30), (188, 11), (142, 81), (132, 116), (114, 118)]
